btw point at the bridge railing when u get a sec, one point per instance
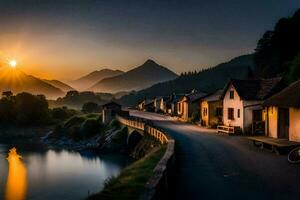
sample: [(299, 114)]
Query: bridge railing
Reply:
[(158, 184)]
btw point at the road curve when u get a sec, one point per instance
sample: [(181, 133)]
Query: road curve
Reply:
[(213, 166)]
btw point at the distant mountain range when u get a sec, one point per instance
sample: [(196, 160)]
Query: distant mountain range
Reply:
[(138, 78), (207, 80), (90, 79), (58, 84), (17, 81)]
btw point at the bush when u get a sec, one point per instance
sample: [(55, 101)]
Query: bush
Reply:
[(62, 113), (121, 136), (59, 131), (31, 109), (114, 124), (93, 116), (74, 132), (7, 110), (74, 121), (90, 127), (90, 107)]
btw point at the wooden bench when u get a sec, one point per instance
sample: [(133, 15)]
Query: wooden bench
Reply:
[(226, 129), (279, 146)]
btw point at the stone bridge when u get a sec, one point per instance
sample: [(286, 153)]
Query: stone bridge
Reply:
[(143, 127), (158, 185)]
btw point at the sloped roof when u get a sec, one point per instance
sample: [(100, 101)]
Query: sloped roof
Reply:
[(148, 101), (110, 104), (289, 97), (194, 96), (214, 96), (259, 89), (176, 98)]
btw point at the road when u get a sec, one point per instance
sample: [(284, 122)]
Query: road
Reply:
[(214, 166)]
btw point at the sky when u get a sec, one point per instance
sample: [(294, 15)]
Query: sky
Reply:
[(65, 39)]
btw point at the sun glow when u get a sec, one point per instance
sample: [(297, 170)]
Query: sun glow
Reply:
[(12, 63)]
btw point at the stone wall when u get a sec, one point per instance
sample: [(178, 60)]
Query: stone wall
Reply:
[(158, 185)]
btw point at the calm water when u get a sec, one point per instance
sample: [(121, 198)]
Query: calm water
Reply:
[(56, 175)]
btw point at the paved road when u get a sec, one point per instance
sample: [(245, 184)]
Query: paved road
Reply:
[(213, 166)]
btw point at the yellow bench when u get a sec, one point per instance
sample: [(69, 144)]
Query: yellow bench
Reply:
[(226, 129)]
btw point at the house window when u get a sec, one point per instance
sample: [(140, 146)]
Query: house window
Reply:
[(231, 94), (219, 111), (238, 113), (231, 113), (204, 111)]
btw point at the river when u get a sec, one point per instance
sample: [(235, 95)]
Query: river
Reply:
[(32, 172)]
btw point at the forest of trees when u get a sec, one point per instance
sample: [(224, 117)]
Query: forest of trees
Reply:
[(25, 109), (77, 99), (278, 51)]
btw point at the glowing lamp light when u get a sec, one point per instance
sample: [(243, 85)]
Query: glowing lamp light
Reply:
[(12, 63)]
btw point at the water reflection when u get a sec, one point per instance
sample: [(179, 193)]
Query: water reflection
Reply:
[(51, 174), (16, 184)]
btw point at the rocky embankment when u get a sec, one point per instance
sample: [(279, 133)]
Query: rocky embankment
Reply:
[(113, 138)]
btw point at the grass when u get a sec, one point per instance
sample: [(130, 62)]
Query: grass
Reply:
[(130, 183)]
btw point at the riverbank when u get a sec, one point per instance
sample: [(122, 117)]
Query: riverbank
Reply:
[(24, 134), (132, 180)]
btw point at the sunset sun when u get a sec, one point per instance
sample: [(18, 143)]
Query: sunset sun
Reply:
[(13, 63)]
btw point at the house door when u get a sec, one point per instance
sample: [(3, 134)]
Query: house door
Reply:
[(283, 123)]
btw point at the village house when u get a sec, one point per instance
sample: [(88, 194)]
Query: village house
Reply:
[(283, 114), (157, 103), (189, 104), (211, 109), (109, 111), (146, 105), (172, 104), (242, 103), (160, 104)]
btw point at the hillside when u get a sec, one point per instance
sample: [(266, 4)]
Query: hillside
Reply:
[(58, 84), (90, 79), (138, 78), (75, 99), (278, 52), (207, 80), (16, 81)]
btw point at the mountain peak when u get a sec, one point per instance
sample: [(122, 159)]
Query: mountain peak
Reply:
[(150, 62), (137, 78)]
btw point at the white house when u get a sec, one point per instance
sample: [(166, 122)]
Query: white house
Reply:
[(243, 99), (157, 102), (283, 114)]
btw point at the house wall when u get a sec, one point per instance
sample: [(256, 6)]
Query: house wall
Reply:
[(249, 106), (185, 111), (157, 104), (163, 105), (294, 130), (141, 106), (271, 122), (213, 119), (204, 118), (236, 104), (106, 116)]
